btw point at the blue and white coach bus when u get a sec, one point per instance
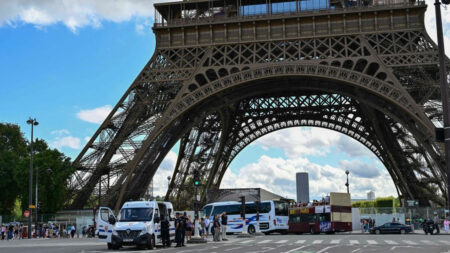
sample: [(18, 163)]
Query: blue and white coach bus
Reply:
[(273, 215)]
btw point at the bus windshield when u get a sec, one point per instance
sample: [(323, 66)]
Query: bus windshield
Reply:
[(206, 211), (136, 214)]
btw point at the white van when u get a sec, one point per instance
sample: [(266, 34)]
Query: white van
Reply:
[(138, 223)]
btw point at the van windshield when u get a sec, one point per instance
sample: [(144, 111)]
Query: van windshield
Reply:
[(136, 214)]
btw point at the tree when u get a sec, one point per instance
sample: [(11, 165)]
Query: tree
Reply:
[(55, 170), (13, 149)]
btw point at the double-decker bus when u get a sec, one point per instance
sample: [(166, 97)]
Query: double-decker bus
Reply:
[(273, 215), (334, 214)]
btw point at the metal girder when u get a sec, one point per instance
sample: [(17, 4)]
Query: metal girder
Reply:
[(368, 73)]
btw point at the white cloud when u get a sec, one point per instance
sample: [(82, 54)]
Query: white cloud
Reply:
[(96, 115), (300, 141), (314, 141), (73, 13), (430, 23), (166, 169), (278, 175), (64, 139)]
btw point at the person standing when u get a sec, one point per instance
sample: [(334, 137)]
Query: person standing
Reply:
[(165, 237), (183, 228), (216, 229), (446, 225), (224, 223), (202, 228), (207, 221), (178, 235), (72, 231), (189, 228), (3, 231)]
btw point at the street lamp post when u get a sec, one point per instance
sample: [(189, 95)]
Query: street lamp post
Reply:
[(37, 203), (32, 122), (444, 90), (346, 184)]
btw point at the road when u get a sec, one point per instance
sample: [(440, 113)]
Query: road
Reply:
[(338, 243)]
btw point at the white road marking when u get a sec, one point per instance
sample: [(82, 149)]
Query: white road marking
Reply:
[(265, 241), (410, 242), (282, 241), (371, 242), (445, 242), (390, 242), (317, 241), (247, 241), (292, 250), (335, 241), (324, 249), (428, 242), (354, 241), (300, 241), (233, 249)]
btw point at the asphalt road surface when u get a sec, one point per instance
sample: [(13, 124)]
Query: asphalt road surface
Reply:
[(338, 243)]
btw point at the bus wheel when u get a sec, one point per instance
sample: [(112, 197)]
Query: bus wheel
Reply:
[(312, 230), (151, 243), (251, 229)]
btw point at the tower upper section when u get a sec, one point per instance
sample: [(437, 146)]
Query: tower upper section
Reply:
[(203, 22)]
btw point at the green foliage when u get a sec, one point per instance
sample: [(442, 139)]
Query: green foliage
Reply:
[(363, 204), (54, 168), (13, 149), (385, 202)]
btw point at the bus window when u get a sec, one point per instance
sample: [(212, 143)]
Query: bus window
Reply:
[(324, 217), (219, 210), (233, 209), (207, 210), (281, 208)]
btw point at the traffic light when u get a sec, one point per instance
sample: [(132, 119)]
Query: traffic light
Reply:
[(196, 178), (242, 206)]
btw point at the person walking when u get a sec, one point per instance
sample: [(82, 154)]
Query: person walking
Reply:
[(216, 229), (446, 225), (224, 222), (207, 223), (72, 231), (165, 237)]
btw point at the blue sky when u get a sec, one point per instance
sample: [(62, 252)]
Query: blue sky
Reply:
[(67, 63)]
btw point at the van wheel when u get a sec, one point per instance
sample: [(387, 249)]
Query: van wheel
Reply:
[(110, 246), (251, 229), (377, 231), (402, 231), (312, 230)]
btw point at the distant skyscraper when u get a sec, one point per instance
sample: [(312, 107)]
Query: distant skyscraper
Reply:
[(371, 195), (302, 187)]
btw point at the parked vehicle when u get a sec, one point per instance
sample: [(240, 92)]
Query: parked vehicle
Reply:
[(138, 223), (391, 228), (334, 214), (429, 227), (273, 215)]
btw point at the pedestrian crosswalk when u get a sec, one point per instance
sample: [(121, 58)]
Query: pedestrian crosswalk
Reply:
[(374, 242)]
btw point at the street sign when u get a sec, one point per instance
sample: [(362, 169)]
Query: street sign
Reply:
[(32, 206), (26, 213)]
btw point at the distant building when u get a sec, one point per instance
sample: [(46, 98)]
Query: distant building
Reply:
[(251, 194), (302, 182), (371, 195)]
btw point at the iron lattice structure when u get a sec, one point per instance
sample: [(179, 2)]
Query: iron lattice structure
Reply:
[(223, 75)]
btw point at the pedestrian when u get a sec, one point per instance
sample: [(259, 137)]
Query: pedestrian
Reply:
[(224, 222), (165, 237), (73, 230), (183, 228), (216, 225), (178, 235), (446, 225), (189, 228), (207, 223), (3, 232), (202, 227)]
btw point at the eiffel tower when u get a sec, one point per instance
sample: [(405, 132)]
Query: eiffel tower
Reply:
[(226, 72)]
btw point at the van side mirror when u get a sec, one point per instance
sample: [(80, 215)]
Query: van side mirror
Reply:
[(111, 220), (157, 219)]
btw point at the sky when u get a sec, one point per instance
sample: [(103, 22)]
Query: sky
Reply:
[(67, 63)]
